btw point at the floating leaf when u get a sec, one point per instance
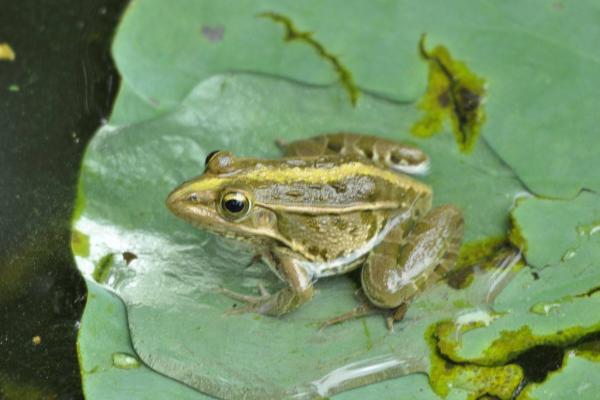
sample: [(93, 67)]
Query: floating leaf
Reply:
[(128, 172)]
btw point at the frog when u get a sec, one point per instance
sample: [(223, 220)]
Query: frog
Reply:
[(332, 204)]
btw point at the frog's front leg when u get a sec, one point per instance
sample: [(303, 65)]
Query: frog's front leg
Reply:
[(299, 288), (397, 156), (405, 264)]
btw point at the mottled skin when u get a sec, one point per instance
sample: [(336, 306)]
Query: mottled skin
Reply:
[(331, 205)]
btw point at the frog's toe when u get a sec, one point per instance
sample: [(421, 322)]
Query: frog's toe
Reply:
[(244, 297), (358, 312), (395, 315)]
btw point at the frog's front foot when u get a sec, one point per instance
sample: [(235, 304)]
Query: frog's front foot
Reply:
[(275, 305), (253, 303)]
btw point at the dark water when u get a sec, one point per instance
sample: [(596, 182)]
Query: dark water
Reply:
[(52, 98)]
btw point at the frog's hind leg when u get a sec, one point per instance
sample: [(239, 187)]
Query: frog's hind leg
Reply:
[(397, 156), (405, 264)]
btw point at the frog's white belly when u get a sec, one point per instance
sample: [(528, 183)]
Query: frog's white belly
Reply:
[(351, 260)]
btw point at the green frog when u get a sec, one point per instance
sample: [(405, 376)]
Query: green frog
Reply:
[(332, 204)]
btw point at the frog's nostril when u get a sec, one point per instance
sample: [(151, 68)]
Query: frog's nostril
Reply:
[(174, 199)]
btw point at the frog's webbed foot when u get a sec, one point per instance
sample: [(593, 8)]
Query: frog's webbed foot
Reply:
[(255, 259), (366, 309), (363, 310), (252, 302)]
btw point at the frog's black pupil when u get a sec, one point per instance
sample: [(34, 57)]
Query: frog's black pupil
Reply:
[(234, 205), (209, 156)]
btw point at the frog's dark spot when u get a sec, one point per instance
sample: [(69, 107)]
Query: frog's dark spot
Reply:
[(294, 193), (395, 158), (323, 253), (340, 224), (444, 99), (336, 147), (213, 33), (368, 153), (234, 305), (129, 257), (339, 187)]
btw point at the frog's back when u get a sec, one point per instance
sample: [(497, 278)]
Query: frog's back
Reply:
[(329, 207), (320, 185)]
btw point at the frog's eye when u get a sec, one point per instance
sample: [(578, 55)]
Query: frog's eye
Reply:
[(235, 204), (209, 157)]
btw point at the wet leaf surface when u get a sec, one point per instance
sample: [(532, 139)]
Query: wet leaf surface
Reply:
[(538, 61), (172, 283), (173, 110), (102, 340)]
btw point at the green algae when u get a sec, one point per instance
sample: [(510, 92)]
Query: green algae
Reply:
[(292, 34), (80, 243), (103, 267), (477, 255), (589, 350), (453, 93), (510, 344), (515, 233), (445, 375)]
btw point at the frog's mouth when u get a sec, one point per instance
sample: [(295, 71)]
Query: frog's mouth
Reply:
[(200, 210)]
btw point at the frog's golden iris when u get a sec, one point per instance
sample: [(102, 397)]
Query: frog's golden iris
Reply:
[(234, 205), (331, 205)]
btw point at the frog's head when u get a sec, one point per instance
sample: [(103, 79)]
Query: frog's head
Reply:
[(221, 200)]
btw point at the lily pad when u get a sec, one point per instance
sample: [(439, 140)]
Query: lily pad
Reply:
[(554, 303), (102, 341), (537, 60), (578, 375), (177, 320), (165, 122), (575, 232)]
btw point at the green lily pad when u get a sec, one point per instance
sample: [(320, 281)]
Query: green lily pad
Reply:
[(177, 320), (537, 60), (102, 341), (554, 303), (556, 231), (164, 123), (578, 376)]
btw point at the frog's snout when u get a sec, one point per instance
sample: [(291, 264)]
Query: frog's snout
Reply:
[(177, 199)]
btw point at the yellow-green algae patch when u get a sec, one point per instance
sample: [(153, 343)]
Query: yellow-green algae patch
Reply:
[(453, 92), (498, 382), (509, 344), (482, 255), (292, 33), (589, 350), (546, 308), (515, 235), (102, 268), (6, 52), (80, 243)]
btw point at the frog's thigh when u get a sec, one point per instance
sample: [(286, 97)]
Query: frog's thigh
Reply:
[(401, 266), (387, 153)]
